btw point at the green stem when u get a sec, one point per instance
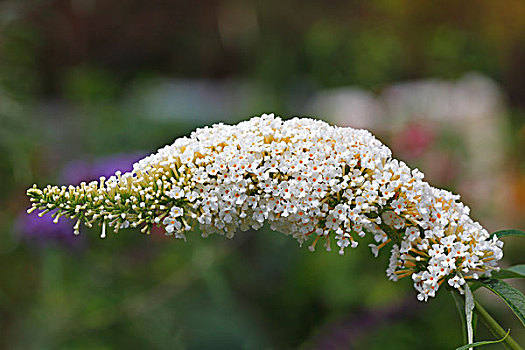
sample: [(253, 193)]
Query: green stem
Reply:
[(494, 327)]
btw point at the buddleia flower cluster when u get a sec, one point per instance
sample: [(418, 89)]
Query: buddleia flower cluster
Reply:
[(321, 184)]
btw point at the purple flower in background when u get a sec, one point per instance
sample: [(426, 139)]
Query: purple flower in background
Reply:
[(83, 170), (44, 230)]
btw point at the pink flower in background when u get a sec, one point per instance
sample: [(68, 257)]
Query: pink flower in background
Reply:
[(413, 140)]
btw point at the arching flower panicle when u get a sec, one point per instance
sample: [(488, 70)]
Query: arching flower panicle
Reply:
[(305, 178)]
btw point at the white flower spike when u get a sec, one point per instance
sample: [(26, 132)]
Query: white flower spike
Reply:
[(306, 179)]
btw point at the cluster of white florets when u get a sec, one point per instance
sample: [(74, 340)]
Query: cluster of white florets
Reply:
[(306, 179)]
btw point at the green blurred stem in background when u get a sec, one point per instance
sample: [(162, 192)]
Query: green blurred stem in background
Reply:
[(494, 327)]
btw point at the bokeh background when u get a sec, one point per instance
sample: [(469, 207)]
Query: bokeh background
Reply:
[(88, 87)]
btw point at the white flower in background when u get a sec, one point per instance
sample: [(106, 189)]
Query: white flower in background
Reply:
[(308, 180), (176, 192), (172, 224), (456, 282), (176, 212)]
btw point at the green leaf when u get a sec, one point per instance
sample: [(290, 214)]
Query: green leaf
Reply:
[(484, 342), (460, 306), (474, 285), (513, 297), (458, 300), (516, 271), (505, 233)]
